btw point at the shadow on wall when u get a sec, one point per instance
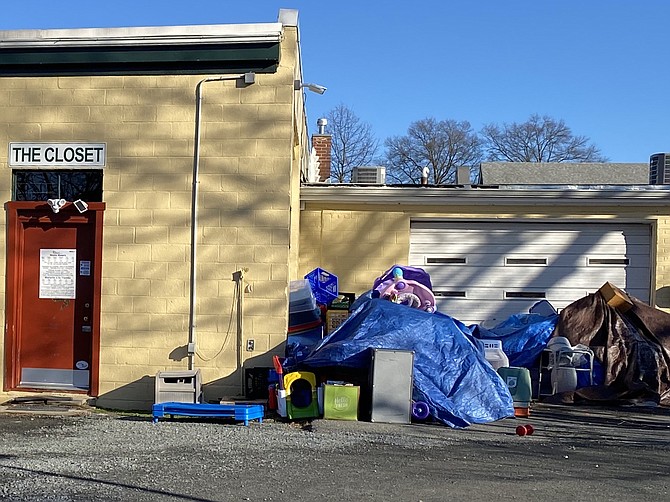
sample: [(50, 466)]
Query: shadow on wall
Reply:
[(179, 353), (249, 383), (140, 395), (135, 396)]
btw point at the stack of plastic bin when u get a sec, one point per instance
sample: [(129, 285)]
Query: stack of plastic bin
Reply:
[(305, 327)]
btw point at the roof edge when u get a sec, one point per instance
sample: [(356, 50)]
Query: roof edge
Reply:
[(503, 196), (148, 35)]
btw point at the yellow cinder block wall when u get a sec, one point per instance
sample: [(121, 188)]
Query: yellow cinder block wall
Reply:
[(357, 246), (248, 167), (243, 224)]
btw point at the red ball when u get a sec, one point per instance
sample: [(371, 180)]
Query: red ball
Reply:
[(521, 430), (529, 429)]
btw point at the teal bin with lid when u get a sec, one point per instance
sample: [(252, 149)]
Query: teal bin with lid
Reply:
[(519, 384)]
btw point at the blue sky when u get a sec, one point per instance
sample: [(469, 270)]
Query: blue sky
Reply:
[(600, 65)]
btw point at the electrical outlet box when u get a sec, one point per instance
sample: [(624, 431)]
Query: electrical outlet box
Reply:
[(250, 345)]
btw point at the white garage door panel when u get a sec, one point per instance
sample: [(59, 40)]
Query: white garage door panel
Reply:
[(465, 249), (480, 268), (536, 277), (540, 235), (448, 242)]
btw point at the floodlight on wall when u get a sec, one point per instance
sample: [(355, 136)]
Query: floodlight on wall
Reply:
[(319, 89), (81, 206), (56, 204)]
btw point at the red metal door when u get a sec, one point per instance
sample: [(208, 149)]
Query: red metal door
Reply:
[(53, 297)]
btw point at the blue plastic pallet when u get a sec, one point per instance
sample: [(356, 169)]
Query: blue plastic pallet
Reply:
[(244, 412)]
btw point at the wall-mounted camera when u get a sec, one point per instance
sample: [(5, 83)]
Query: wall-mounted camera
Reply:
[(56, 204), (81, 206)]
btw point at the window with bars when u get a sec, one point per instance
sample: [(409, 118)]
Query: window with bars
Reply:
[(39, 185)]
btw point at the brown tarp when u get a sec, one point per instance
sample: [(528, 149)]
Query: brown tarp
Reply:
[(633, 349)]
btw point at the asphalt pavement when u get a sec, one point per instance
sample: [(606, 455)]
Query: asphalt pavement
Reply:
[(574, 453)]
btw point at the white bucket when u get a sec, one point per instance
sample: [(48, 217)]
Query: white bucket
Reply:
[(563, 379)]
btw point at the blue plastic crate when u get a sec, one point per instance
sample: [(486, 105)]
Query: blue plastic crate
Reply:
[(323, 284)]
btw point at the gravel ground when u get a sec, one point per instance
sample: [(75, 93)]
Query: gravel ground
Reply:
[(575, 453)]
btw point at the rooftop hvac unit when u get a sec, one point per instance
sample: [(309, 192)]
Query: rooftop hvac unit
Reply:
[(659, 169), (375, 175)]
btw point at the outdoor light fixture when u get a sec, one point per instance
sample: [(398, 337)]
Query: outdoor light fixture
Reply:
[(56, 204), (81, 206), (319, 89)]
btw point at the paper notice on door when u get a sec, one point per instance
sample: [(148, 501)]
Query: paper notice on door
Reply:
[(58, 273)]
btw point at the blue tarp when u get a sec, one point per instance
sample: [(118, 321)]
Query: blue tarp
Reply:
[(450, 372), (523, 336)]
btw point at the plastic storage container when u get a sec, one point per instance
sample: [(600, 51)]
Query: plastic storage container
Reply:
[(324, 285), (494, 354), (178, 386), (303, 312), (300, 296), (520, 387), (257, 381)]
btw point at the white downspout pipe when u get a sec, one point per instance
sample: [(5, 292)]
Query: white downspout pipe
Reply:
[(249, 78)]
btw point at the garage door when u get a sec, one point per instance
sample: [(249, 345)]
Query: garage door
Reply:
[(489, 271)]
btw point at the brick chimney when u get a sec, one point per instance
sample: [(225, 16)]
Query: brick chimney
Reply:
[(322, 144)]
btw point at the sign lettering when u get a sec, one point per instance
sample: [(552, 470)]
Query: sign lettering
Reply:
[(57, 154)]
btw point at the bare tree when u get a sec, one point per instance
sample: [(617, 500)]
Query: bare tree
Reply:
[(539, 139), (441, 146), (354, 144)]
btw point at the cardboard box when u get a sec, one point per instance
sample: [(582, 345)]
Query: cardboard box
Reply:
[(340, 402), (615, 297), (334, 318)]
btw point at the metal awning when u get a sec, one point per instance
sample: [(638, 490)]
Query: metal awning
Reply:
[(141, 51), (509, 195)]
